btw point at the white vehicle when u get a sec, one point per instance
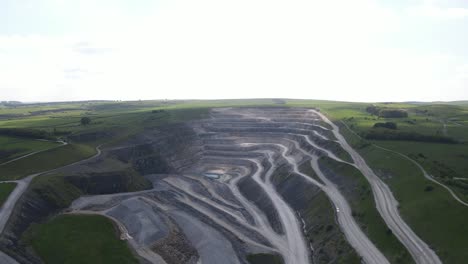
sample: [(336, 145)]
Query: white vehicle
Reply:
[(337, 210)]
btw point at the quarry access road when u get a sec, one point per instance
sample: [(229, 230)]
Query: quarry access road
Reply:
[(387, 205)]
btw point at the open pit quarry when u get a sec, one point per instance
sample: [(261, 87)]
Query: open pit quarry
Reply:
[(240, 189)]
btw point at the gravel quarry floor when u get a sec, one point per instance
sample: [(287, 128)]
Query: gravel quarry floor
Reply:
[(204, 216)]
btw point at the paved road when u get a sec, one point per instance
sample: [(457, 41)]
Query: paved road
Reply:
[(387, 205)]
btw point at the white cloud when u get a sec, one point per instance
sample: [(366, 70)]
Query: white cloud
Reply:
[(439, 10), (224, 49)]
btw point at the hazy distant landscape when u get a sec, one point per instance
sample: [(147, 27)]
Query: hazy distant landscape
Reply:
[(233, 181)]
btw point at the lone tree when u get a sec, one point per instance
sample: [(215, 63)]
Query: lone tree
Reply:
[(85, 121)]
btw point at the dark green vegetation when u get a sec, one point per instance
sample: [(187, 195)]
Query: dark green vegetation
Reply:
[(389, 125), (379, 134), (25, 133), (85, 120), (69, 239), (5, 190), (386, 112), (264, 259)]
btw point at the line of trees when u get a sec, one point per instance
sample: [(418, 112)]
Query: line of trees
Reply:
[(389, 125), (386, 112), (25, 132), (384, 134)]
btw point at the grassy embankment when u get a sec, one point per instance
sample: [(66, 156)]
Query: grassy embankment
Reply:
[(80, 239)]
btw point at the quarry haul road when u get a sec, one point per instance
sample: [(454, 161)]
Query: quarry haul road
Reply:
[(385, 202), (22, 186), (387, 205), (295, 249), (293, 235), (353, 233)]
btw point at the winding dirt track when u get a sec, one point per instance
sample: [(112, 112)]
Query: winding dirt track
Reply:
[(35, 152), (426, 175)]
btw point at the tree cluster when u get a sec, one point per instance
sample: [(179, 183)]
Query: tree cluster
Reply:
[(386, 112), (386, 134), (25, 132), (389, 125)]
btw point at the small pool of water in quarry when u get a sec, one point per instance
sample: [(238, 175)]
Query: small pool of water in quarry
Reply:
[(212, 175)]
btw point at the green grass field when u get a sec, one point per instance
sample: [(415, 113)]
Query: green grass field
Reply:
[(13, 147), (76, 239), (447, 163), (44, 161), (5, 190)]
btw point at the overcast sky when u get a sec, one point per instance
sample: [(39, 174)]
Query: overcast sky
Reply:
[(361, 50)]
